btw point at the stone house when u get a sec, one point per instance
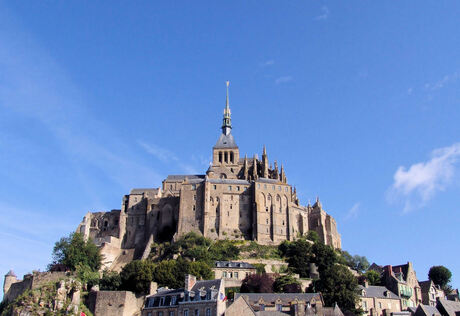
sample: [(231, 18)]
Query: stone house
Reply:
[(448, 308), (290, 303), (233, 272), (236, 198), (197, 298), (378, 300), (431, 293), (401, 280)]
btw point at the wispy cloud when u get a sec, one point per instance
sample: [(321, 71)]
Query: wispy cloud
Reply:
[(166, 156), (449, 78), (324, 14), (267, 63), (353, 211), (283, 79), (421, 181)]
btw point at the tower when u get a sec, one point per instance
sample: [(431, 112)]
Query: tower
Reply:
[(10, 278), (226, 152)]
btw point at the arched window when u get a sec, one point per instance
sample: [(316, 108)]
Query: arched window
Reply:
[(226, 156), (231, 157), (220, 156)]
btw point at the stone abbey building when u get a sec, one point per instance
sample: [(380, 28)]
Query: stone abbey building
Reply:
[(237, 198)]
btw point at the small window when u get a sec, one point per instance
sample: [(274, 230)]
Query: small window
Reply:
[(266, 209), (194, 207), (224, 274), (171, 313), (258, 185), (237, 188), (215, 187), (185, 312), (285, 189), (208, 311), (279, 188), (173, 300), (197, 312), (273, 187), (235, 275), (160, 313), (229, 187), (265, 186), (193, 186), (194, 197), (266, 220), (279, 307), (380, 305), (262, 307)]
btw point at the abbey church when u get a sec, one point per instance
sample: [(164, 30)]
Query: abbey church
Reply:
[(237, 198)]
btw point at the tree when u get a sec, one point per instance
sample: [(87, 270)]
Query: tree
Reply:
[(110, 281), (313, 236), (137, 275), (324, 256), (257, 283), (360, 263), (73, 250), (440, 275), (338, 285), (299, 255), (286, 284), (373, 277)]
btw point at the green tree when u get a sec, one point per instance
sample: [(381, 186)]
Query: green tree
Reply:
[(286, 284), (373, 277), (324, 256), (137, 275), (360, 263), (313, 236), (440, 275), (110, 281), (73, 250), (87, 275), (298, 254), (338, 285)]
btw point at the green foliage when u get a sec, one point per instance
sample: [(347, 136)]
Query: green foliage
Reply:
[(230, 292), (87, 275), (373, 277), (260, 267), (313, 236), (338, 285), (74, 250), (110, 281), (171, 273), (286, 284), (261, 251), (137, 275), (257, 283), (440, 275), (224, 250), (324, 256), (298, 254), (358, 263)]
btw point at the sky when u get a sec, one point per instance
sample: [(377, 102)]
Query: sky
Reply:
[(360, 101)]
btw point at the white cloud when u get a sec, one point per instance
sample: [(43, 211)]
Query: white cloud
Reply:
[(324, 14), (283, 79), (353, 211), (442, 82), (421, 181), (270, 62)]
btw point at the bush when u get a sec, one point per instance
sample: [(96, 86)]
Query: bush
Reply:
[(110, 281), (287, 284), (260, 267), (87, 275), (137, 275), (74, 250)]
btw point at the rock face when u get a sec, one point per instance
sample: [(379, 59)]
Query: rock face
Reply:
[(53, 298)]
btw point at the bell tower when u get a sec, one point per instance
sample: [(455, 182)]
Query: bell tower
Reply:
[(226, 152)]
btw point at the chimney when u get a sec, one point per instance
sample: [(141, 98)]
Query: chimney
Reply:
[(366, 284), (190, 281), (153, 288)]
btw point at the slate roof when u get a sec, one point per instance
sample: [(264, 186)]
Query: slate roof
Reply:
[(226, 141), (142, 191), (429, 310), (178, 177), (271, 313), (232, 264), (452, 308), (377, 291), (228, 181), (207, 285), (266, 180), (425, 286), (285, 298)]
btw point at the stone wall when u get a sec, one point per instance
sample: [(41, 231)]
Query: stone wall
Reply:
[(115, 303)]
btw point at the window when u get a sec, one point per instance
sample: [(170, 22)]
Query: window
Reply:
[(194, 197), (215, 187), (194, 207), (265, 186), (365, 305), (380, 305), (185, 312), (279, 307), (197, 312), (266, 209), (224, 274), (208, 311), (262, 307), (285, 189), (160, 313), (162, 301), (258, 185), (220, 156), (237, 188), (236, 275), (193, 186), (266, 220), (273, 187), (229, 187), (231, 206), (173, 300), (230, 275), (279, 188), (283, 223), (149, 314)]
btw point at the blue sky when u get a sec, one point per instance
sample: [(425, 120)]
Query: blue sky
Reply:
[(359, 100)]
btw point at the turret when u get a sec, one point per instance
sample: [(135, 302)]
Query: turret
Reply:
[(254, 168), (10, 278), (283, 175), (275, 172), (246, 171), (265, 163)]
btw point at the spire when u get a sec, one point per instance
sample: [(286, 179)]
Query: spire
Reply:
[(227, 120), (264, 151)]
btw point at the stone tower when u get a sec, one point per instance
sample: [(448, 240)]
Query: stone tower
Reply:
[(10, 278)]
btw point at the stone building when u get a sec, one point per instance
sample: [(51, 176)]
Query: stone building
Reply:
[(233, 272), (237, 198), (431, 292), (378, 300), (197, 298)]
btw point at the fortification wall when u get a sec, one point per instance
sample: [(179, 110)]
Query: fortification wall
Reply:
[(115, 303)]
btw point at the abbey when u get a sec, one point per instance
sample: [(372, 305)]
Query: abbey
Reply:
[(237, 198)]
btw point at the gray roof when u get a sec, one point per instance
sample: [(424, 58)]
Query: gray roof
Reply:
[(271, 313), (286, 298), (266, 180), (332, 311), (429, 310), (233, 264), (179, 177), (425, 286), (207, 285), (10, 273), (377, 291), (229, 181), (142, 191), (226, 141), (451, 307)]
